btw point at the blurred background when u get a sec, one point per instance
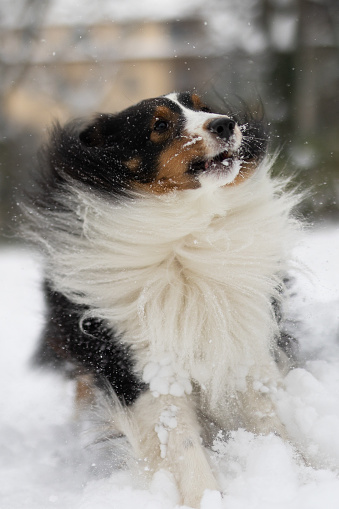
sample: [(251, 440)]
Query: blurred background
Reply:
[(62, 59)]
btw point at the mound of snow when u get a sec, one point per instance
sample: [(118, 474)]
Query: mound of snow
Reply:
[(44, 458)]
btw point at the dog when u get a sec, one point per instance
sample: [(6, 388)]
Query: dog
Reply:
[(166, 244)]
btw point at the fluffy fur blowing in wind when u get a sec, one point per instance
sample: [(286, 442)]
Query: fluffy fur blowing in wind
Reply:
[(166, 242)]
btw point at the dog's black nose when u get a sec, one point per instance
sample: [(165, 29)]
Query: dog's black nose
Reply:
[(222, 127)]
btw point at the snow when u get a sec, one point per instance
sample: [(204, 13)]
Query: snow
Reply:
[(45, 457), (192, 141), (167, 422), (164, 379)]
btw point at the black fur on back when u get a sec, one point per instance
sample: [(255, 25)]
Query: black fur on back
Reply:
[(82, 347)]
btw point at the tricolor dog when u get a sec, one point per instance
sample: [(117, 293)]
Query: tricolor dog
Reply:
[(166, 244)]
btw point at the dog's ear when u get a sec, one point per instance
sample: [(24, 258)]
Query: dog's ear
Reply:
[(100, 132)]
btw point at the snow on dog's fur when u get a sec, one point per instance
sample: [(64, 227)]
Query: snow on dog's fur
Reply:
[(166, 243)]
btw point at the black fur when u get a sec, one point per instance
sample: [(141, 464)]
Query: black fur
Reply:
[(81, 347), (97, 154)]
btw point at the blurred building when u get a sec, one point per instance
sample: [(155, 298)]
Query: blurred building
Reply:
[(62, 59), (77, 69)]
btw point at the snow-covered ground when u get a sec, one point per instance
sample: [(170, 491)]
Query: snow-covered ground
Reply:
[(44, 461)]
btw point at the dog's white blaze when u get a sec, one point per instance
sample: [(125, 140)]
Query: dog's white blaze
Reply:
[(194, 126)]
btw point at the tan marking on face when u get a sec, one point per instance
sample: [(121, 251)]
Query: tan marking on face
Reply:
[(173, 163), (197, 102), (175, 160)]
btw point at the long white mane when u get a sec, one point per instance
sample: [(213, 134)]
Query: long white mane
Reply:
[(190, 273)]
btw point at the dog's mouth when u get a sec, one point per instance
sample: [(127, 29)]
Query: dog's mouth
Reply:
[(220, 163)]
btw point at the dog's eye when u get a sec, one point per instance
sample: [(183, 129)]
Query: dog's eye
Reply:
[(205, 109), (160, 126)]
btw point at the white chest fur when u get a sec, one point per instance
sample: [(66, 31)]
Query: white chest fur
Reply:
[(190, 275)]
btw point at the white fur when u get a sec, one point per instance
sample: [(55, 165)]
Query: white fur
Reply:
[(195, 122), (187, 277), (189, 273)]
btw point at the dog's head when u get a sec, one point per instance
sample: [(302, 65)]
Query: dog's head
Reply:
[(173, 142)]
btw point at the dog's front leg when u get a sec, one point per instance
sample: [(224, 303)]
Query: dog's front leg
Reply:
[(252, 409), (169, 438), (258, 410)]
